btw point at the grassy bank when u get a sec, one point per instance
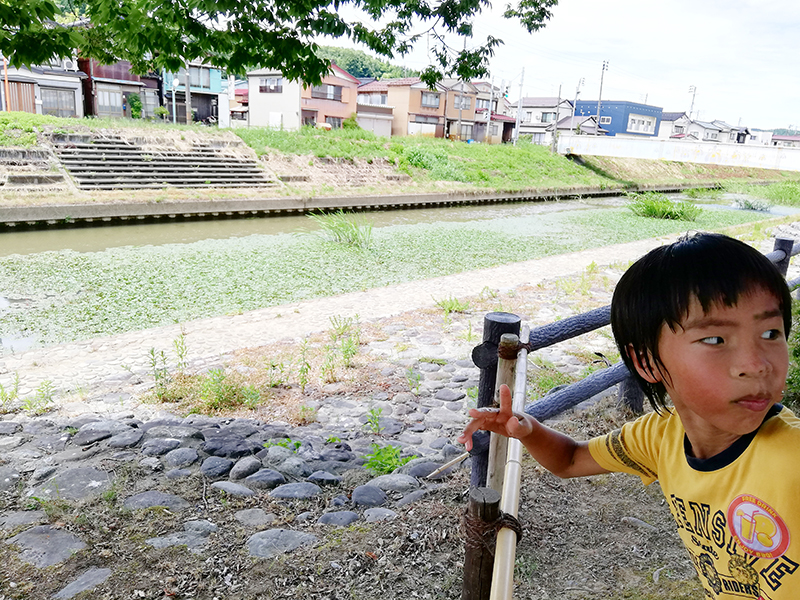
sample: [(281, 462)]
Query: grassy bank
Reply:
[(65, 295), (349, 162)]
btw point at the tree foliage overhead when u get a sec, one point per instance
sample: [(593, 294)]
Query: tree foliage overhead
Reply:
[(360, 64), (239, 35)]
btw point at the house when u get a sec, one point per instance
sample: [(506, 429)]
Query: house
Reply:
[(493, 123), (623, 118), (108, 88), (51, 89), (275, 101), (673, 125), (239, 102), (373, 111), (786, 141), (418, 110), (709, 131), (209, 93), (460, 105), (536, 114), (579, 125)]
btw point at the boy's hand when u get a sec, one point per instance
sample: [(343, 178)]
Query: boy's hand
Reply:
[(501, 420)]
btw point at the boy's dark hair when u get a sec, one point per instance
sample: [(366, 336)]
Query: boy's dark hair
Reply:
[(658, 289)]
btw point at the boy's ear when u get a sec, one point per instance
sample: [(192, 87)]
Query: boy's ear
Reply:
[(644, 366)]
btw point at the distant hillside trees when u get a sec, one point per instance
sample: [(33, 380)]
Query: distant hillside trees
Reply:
[(361, 64)]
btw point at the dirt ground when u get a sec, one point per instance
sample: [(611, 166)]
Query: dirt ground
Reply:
[(605, 537)]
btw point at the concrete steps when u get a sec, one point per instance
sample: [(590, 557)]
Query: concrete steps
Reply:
[(109, 163)]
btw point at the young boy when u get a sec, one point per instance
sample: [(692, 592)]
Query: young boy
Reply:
[(703, 321)]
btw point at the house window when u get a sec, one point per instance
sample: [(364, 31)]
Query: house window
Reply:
[(548, 117), (200, 77), (59, 103), (712, 135), (677, 129), (149, 102), (528, 116), (430, 100), (733, 135), (641, 123), (109, 101), (466, 131), (426, 119), (373, 98), (463, 102), (270, 85), (495, 130), (482, 103), (537, 138), (327, 92), (605, 120), (335, 122)]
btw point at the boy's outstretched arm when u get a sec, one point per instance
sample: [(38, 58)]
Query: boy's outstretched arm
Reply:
[(556, 452)]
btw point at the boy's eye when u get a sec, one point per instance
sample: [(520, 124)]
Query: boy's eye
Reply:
[(772, 334), (713, 340)]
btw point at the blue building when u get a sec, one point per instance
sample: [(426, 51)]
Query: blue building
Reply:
[(619, 117)]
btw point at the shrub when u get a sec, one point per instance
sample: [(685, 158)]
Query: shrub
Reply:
[(351, 122), (344, 228), (658, 206), (135, 102)]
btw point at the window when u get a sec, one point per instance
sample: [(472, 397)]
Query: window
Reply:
[(430, 100), (149, 102), (426, 119), (641, 123), (466, 131), (537, 138), (463, 102), (528, 116), (482, 103), (59, 103), (711, 135), (327, 92), (495, 130), (549, 117), (270, 85), (605, 120), (109, 101), (677, 128), (733, 135), (373, 98), (335, 122)]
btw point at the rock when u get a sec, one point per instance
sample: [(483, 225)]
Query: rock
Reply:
[(295, 467), (374, 515), (45, 546), (412, 497), (126, 439), (214, 466), (245, 467), (194, 536), (395, 483), (177, 473), (155, 498), (152, 463), (254, 517), (24, 517), (324, 478), (276, 455), (229, 445), (159, 446), (234, 489), (9, 478), (74, 484), (341, 518), (9, 427), (423, 469), (178, 432), (369, 495), (265, 479), (298, 491), (449, 395), (273, 542), (90, 579), (181, 457)]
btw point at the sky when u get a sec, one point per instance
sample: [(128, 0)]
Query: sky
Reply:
[(741, 56)]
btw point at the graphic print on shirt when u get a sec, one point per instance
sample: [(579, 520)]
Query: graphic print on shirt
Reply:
[(740, 553)]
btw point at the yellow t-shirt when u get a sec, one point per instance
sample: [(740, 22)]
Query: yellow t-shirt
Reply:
[(736, 512)]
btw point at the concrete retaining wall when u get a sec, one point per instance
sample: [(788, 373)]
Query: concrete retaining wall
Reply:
[(736, 155)]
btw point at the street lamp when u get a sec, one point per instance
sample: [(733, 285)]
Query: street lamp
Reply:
[(175, 83)]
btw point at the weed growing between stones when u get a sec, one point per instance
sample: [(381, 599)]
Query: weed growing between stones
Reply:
[(37, 404), (452, 305), (344, 228), (8, 396), (382, 461), (373, 423)]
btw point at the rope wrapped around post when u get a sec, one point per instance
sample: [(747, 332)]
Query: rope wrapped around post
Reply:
[(482, 535)]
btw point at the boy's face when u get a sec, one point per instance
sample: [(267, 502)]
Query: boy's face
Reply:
[(724, 369)]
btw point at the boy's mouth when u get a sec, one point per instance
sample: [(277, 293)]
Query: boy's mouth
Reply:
[(756, 403)]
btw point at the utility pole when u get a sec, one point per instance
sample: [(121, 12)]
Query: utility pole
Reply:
[(574, 104), (600, 97), (692, 91), (519, 107), (555, 126), (188, 95), (489, 112)]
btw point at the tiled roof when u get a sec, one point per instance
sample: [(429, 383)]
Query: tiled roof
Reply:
[(542, 101), (374, 86), (402, 81), (672, 116)]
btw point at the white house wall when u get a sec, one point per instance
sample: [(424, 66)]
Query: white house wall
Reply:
[(267, 110)]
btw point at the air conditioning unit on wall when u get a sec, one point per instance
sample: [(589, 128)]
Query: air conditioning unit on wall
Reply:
[(69, 65)]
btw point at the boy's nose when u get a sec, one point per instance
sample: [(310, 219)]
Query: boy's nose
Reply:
[(752, 363)]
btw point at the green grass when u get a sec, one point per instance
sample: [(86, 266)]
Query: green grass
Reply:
[(77, 296), (785, 193), (659, 206), (345, 228)]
